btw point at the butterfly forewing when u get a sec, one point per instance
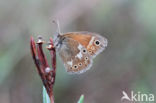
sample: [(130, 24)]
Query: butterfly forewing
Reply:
[(94, 43)]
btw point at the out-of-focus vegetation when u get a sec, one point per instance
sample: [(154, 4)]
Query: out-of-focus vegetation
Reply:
[(128, 63), (81, 99), (46, 98)]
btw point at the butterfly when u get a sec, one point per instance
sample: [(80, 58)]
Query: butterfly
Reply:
[(77, 49)]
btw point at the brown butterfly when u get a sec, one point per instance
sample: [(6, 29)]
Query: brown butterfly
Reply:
[(77, 49)]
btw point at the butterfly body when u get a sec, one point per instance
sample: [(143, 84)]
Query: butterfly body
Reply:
[(77, 49)]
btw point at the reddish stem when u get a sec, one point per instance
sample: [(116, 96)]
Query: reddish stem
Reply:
[(46, 73), (53, 58)]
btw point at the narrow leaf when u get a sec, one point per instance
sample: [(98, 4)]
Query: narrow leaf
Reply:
[(81, 99), (46, 98)]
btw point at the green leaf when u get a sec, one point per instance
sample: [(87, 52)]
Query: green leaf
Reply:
[(46, 98), (81, 99)]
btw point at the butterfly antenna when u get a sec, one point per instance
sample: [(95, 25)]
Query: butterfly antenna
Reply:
[(58, 26)]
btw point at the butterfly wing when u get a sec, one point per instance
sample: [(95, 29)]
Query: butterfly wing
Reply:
[(94, 43), (74, 56)]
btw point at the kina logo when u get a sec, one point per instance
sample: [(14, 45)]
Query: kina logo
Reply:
[(138, 96)]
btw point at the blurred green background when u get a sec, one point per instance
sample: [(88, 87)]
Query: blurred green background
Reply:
[(128, 63)]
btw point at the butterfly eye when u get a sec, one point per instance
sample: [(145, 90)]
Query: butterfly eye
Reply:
[(97, 42), (75, 67), (86, 58), (80, 64), (84, 51), (90, 51)]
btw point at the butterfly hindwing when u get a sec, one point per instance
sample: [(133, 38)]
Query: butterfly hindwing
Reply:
[(74, 56)]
